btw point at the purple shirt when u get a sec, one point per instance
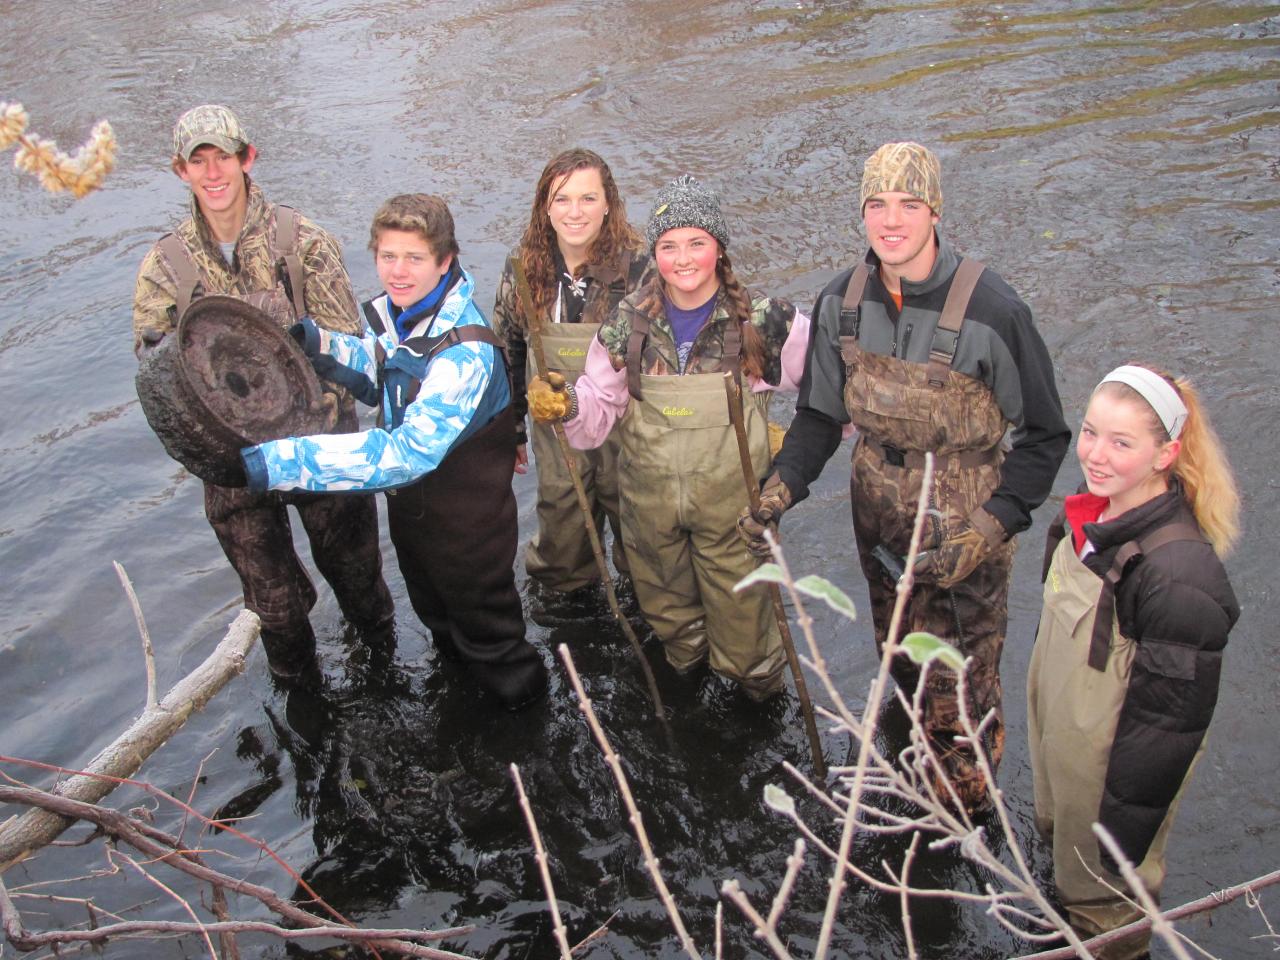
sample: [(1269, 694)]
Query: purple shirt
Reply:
[(685, 324)]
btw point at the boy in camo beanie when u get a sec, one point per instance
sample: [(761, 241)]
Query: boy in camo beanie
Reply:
[(684, 202), (906, 168)]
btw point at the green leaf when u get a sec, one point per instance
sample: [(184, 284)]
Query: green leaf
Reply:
[(778, 800), (923, 647), (765, 573), (828, 593)]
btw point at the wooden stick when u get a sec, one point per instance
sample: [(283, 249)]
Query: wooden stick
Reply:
[(161, 847), (870, 713), (525, 297), (733, 393), (633, 812), (22, 835), (148, 651), (540, 855)]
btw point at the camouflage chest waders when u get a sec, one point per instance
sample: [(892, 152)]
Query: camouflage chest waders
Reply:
[(559, 556), (903, 409), (1072, 713), (253, 528), (681, 490)]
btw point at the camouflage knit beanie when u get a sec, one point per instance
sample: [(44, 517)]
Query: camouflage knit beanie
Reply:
[(684, 202), (903, 168)]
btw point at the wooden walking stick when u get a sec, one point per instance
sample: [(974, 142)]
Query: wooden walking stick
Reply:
[(733, 391), (525, 296)]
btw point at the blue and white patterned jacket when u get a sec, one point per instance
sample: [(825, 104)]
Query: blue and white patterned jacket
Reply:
[(462, 390)]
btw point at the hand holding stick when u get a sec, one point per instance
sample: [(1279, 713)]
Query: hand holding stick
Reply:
[(733, 392)]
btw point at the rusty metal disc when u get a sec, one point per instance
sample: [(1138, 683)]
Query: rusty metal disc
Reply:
[(227, 378)]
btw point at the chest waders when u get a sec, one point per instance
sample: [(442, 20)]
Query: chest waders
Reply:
[(903, 410), (455, 534), (681, 490), (253, 528), (1074, 698), (559, 556)]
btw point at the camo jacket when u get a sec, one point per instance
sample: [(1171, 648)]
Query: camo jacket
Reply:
[(328, 296), (606, 286), (772, 318)]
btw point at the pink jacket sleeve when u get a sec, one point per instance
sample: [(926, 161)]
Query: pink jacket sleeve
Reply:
[(602, 399), (793, 354)]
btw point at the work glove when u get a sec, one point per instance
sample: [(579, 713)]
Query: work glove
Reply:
[(961, 551), (307, 335), (552, 399), (775, 498)]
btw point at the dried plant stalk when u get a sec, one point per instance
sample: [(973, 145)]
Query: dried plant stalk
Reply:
[(80, 174), (624, 789)]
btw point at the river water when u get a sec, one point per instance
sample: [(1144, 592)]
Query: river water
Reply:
[(1118, 163)]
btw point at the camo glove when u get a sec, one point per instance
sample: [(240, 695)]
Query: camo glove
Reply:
[(775, 498), (552, 399), (961, 551)]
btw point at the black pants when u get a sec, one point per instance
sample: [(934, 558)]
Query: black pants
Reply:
[(455, 536)]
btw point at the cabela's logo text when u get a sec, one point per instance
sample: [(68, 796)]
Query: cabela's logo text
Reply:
[(571, 352), (677, 411)]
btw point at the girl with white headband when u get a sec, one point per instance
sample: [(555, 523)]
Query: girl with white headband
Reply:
[(1137, 608)]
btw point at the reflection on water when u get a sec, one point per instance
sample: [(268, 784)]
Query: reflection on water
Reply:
[(1116, 163)]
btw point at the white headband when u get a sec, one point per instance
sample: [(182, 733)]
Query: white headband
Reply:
[(1156, 390)]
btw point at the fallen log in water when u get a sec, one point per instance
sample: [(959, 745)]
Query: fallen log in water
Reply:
[(22, 835)]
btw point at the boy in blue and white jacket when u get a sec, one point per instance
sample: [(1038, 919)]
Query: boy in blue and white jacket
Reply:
[(443, 450)]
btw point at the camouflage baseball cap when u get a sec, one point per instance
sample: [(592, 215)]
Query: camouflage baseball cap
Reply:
[(210, 124), (903, 167)]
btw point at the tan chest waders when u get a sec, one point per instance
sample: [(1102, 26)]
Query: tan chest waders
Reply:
[(1072, 712), (559, 556), (681, 490)]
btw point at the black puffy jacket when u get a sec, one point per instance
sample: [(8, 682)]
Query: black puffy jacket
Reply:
[(1178, 605)]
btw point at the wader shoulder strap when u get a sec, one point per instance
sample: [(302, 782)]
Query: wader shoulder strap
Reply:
[(849, 310), (1057, 530), (731, 349), (373, 318), (284, 250), (184, 269), (635, 351), (947, 334), (1100, 642), (432, 347)]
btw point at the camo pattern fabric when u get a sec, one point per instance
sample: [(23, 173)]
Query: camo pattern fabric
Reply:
[(251, 276), (903, 168), (972, 615), (770, 316), (605, 290)]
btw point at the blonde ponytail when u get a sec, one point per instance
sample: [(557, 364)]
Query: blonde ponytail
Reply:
[(1207, 480)]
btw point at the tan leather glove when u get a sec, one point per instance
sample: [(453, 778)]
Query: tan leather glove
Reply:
[(962, 551), (775, 498), (551, 399)]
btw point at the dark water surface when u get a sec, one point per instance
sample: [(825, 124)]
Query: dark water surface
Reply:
[(1117, 163)]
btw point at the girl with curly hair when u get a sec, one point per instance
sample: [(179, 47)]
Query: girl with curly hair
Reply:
[(581, 257)]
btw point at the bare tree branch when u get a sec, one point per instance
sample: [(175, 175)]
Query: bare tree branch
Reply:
[(148, 652), (25, 834), (624, 789), (162, 847), (540, 855)]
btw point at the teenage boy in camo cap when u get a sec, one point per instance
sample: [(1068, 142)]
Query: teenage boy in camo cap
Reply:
[(924, 351), (236, 243)]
